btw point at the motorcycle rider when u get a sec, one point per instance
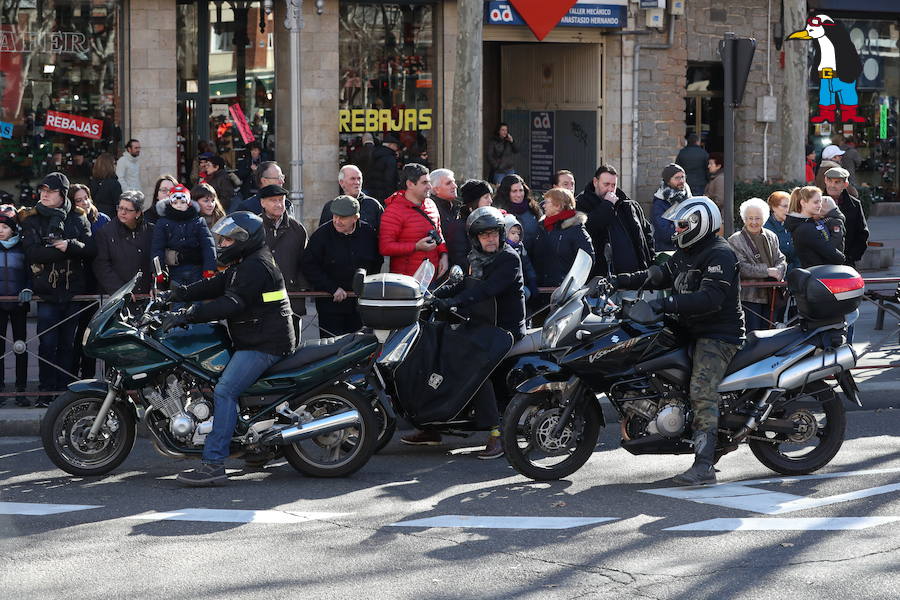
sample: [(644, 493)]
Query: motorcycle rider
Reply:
[(496, 272), (251, 296), (704, 277)]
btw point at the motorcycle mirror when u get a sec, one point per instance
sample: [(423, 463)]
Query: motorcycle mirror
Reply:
[(157, 269), (359, 279), (456, 274), (608, 255)]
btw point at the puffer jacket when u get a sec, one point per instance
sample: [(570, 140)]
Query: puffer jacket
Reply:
[(186, 233), (56, 275), (812, 242), (753, 270), (14, 274), (402, 225), (555, 251)]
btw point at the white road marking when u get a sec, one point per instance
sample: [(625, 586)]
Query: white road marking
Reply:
[(786, 524), (741, 496), (487, 522), (213, 515), (38, 509)]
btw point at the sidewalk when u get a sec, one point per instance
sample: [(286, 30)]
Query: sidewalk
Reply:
[(879, 387)]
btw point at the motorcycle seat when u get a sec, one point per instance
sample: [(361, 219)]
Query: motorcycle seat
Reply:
[(315, 350), (763, 343)]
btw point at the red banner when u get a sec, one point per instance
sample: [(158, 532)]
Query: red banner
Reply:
[(74, 125), (240, 121)]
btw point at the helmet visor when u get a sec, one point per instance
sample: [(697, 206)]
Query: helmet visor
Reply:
[(227, 227)]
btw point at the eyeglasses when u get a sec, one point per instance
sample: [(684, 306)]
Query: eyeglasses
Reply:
[(125, 209), (817, 22)]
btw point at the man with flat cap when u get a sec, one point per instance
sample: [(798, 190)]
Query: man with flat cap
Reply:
[(856, 240), (286, 238), (336, 250)]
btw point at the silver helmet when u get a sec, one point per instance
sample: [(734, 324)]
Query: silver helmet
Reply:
[(695, 218)]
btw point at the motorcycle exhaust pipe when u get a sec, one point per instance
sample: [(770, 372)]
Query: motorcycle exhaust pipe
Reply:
[(819, 366), (296, 433)]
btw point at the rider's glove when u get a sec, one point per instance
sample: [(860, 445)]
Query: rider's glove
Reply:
[(658, 306), (443, 307), (179, 318)]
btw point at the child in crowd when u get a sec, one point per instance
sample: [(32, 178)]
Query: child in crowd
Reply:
[(514, 234), (834, 221), (181, 239), (14, 275)]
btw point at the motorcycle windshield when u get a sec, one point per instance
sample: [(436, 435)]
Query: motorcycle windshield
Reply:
[(113, 303), (574, 279), (424, 274)]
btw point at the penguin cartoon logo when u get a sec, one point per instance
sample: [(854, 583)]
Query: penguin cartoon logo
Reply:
[(838, 68)]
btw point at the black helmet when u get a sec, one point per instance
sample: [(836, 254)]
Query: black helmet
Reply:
[(246, 229), (484, 219)]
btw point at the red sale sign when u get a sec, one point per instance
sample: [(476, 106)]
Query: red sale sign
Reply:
[(74, 125), (542, 15), (240, 120)]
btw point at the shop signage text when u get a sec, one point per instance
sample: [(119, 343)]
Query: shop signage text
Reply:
[(54, 42), (6, 130), (361, 120), (581, 15), (240, 121), (542, 149), (74, 125)]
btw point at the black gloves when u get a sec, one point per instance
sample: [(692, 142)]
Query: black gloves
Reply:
[(179, 318), (176, 294), (443, 307), (647, 312)]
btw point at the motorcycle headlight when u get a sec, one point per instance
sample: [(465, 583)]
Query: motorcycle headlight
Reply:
[(552, 332)]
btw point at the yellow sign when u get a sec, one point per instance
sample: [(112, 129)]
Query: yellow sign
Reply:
[(360, 120)]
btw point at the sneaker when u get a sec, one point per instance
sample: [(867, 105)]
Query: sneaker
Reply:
[(204, 475), (493, 449), (422, 438)]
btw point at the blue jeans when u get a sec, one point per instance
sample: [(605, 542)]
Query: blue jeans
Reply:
[(56, 344), (835, 91), (242, 371)]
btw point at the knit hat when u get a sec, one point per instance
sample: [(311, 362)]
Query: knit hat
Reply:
[(473, 189), (179, 192), (670, 170), (10, 222), (217, 160), (345, 206), (831, 151), (56, 182)]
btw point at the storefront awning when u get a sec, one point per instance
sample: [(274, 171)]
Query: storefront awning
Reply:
[(226, 88)]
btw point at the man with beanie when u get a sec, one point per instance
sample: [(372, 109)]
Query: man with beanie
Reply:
[(674, 189), (837, 186), (57, 241), (615, 219), (335, 251)]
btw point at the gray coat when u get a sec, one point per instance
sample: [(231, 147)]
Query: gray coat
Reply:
[(752, 270)]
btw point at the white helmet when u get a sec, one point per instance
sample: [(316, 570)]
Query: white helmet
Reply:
[(698, 217)]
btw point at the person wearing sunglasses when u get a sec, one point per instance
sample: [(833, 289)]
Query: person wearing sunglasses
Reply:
[(704, 278)]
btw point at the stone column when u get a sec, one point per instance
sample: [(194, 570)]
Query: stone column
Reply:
[(794, 100)]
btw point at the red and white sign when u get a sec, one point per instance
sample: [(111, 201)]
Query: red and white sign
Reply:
[(542, 16), (74, 125), (240, 122)]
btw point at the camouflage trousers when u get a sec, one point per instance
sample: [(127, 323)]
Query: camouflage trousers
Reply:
[(710, 360)]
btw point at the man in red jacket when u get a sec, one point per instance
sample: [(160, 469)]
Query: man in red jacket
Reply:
[(410, 229)]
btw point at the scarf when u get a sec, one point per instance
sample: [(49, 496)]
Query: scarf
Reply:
[(57, 217), (10, 242), (549, 222), (673, 196), (518, 209), (479, 260)]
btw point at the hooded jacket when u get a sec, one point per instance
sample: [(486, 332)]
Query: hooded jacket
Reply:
[(812, 242), (626, 214), (555, 251), (57, 275), (402, 225), (185, 232)]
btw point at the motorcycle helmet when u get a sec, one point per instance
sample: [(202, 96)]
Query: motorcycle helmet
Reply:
[(484, 219), (246, 229), (698, 217)]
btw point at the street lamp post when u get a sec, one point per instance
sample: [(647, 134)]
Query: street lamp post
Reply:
[(293, 22)]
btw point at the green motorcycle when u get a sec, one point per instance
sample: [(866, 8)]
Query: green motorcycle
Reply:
[(301, 407)]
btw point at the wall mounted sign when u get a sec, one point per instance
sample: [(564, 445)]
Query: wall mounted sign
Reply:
[(54, 42), (240, 121), (74, 125), (540, 19), (361, 120)]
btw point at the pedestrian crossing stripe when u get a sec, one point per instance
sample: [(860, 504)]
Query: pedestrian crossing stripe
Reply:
[(488, 522), (213, 515), (786, 524), (36, 509)]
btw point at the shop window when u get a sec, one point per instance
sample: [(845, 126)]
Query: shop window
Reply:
[(59, 90), (703, 112), (387, 77)]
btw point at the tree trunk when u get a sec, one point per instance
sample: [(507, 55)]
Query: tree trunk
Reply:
[(466, 144), (795, 94)]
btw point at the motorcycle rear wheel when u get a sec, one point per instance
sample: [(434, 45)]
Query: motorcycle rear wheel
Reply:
[(342, 452), (64, 430), (530, 449), (823, 419)]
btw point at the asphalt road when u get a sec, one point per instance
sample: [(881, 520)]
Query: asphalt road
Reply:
[(339, 539)]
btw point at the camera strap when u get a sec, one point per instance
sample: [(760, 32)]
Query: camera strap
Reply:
[(419, 210)]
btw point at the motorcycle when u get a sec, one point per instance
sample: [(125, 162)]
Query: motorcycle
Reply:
[(774, 395), (424, 370), (300, 407)]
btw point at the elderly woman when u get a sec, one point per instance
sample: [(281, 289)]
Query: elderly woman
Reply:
[(561, 236), (760, 259), (123, 246)]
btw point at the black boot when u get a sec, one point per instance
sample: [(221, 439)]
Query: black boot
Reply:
[(22, 399), (702, 471)]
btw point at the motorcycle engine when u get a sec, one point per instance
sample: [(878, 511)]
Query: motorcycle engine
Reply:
[(170, 400), (669, 421), (649, 417)]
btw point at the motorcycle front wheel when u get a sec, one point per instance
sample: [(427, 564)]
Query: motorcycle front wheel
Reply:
[(819, 420), (65, 428), (341, 452), (531, 448)]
